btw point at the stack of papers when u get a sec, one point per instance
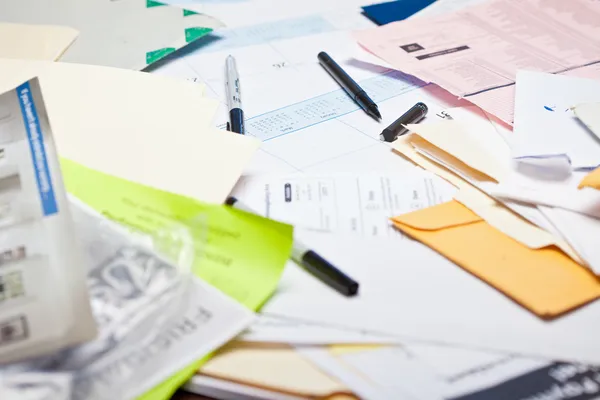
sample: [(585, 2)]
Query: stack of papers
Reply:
[(475, 274)]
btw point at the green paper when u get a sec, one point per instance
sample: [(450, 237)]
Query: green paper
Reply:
[(244, 254), (188, 12), (192, 34), (155, 55)]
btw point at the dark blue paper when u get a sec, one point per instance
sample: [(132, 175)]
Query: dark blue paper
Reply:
[(384, 13)]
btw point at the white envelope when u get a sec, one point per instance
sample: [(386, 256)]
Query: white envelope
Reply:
[(545, 127)]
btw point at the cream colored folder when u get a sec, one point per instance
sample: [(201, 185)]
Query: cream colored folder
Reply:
[(149, 129)]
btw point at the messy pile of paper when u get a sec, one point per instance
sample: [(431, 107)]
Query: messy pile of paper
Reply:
[(141, 149)]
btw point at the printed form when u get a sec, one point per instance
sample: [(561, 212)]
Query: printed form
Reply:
[(481, 48), (306, 122), (359, 205)]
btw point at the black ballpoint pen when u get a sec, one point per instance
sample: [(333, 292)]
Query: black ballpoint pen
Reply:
[(349, 85), (313, 262)]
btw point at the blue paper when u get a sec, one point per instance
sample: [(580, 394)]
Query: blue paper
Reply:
[(384, 13)]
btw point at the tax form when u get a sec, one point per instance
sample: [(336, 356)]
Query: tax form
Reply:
[(480, 48), (357, 205)]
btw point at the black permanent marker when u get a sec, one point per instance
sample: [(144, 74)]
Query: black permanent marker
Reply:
[(349, 85), (313, 262)]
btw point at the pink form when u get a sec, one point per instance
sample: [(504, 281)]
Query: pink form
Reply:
[(477, 51)]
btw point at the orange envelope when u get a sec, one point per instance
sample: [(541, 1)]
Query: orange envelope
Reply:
[(545, 281), (591, 180)]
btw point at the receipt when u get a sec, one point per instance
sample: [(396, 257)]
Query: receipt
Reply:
[(357, 205)]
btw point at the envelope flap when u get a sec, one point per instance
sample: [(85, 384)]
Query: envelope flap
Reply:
[(442, 216)]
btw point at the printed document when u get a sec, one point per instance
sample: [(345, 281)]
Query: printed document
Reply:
[(357, 205), (481, 48), (306, 122)]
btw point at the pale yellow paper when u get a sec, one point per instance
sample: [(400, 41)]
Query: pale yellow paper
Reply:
[(35, 42), (455, 139), (480, 203), (276, 368), (149, 129)]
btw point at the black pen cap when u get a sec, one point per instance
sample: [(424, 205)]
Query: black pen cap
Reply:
[(414, 115)]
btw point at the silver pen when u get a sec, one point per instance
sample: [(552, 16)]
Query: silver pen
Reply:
[(234, 96)]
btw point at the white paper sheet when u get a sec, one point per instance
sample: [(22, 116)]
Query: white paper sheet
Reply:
[(580, 231), (589, 114), (305, 121), (437, 372), (270, 329), (357, 205), (380, 374), (410, 291), (546, 127), (568, 197)]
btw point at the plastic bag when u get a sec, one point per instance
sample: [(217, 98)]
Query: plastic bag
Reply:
[(138, 285)]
